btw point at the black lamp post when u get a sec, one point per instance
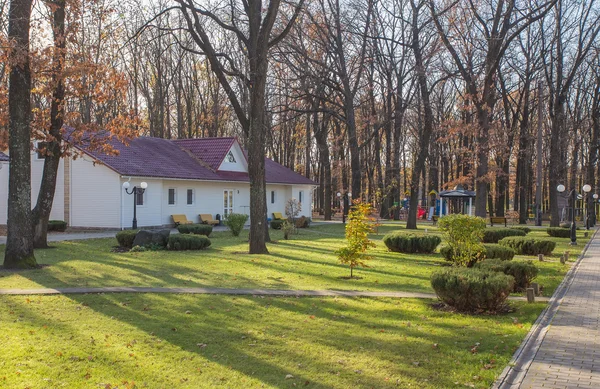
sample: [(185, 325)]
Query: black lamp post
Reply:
[(135, 191), (573, 196)]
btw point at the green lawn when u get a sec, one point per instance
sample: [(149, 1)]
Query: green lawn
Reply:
[(304, 262), (201, 341)]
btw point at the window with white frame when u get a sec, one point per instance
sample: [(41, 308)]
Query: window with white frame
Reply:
[(139, 197), (272, 197), (172, 196), (190, 196), (42, 148), (300, 195)]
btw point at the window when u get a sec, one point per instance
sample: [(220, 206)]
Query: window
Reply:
[(172, 194), (190, 196), (227, 202), (139, 197), (41, 150), (272, 197), (300, 196)]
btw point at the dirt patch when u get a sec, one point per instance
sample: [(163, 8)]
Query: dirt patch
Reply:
[(350, 278)]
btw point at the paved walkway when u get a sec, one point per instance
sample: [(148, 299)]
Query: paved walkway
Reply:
[(564, 349)]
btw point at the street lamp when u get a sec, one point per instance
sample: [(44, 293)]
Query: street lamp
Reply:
[(135, 192), (346, 201), (593, 217), (573, 195)]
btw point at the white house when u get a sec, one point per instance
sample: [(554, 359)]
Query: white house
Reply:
[(187, 176)]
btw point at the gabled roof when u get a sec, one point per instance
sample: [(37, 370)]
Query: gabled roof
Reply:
[(3, 157), (185, 159), (457, 193)]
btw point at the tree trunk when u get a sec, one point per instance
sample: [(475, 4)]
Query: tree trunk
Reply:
[(19, 242)]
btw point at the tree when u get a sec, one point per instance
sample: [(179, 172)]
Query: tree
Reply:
[(359, 226)]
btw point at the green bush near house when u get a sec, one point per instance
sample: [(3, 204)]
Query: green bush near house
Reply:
[(472, 290), (529, 246), (524, 272), (197, 229), (559, 232), (410, 243), (126, 237), (276, 224), (181, 242), (495, 234), (235, 222), (57, 225)]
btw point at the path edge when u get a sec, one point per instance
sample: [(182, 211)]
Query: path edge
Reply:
[(512, 376)]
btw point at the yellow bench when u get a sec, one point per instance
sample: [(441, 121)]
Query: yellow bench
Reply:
[(206, 218), (277, 216), (180, 219)]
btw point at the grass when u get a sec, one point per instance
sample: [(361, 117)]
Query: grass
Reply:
[(185, 341), (304, 262)]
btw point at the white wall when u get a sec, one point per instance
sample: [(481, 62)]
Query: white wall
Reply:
[(149, 214), (240, 164)]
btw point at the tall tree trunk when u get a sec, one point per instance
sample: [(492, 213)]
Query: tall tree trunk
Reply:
[(19, 241)]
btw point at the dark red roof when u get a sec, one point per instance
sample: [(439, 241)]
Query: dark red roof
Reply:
[(194, 159), (3, 157)]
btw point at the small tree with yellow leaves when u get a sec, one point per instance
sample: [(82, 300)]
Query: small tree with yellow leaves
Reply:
[(360, 224)]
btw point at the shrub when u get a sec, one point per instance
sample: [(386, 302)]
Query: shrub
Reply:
[(357, 234), (293, 208), (57, 225), (472, 290), (495, 234), (126, 237), (529, 246), (188, 242), (496, 251), (478, 255), (235, 222), (463, 233), (559, 232), (303, 222), (276, 224), (527, 230), (288, 228), (197, 229), (409, 243), (524, 272)]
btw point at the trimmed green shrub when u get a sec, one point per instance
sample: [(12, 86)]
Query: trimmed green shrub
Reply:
[(495, 234), (57, 225), (126, 237), (276, 224), (472, 290), (567, 225), (527, 230), (463, 233), (524, 272), (197, 229), (528, 246), (559, 232), (235, 222), (496, 251), (180, 242), (409, 243)]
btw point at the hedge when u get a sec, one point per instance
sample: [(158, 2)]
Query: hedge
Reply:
[(494, 235), (180, 242), (524, 272), (57, 225), (276, 224), (197, 229), (529, 246), (527, 230), (490, 251), (409, 243), (472, 290), (559, 232), (126, 237)]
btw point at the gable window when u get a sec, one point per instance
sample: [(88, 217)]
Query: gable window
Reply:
[(41, 150), (139, 197), (190, 196), (300, 195), (230, 157), (272, 197), (172, 195)]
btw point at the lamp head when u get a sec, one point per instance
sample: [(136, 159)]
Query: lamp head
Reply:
[(126, 185), (349, 194), (595, 196), (586, 188), (144, 184), (339, 194), (560, 188)]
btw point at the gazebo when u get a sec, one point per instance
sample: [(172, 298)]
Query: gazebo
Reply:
[(457, 193)]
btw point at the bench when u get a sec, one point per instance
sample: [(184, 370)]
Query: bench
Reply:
[(277, 216), (498, 220), (206, 218), (180, 219)]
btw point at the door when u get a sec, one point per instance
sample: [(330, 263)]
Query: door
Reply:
[(227, 202)]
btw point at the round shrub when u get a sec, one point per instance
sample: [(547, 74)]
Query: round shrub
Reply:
[(57, 225), (496, 251), (197, 229), (463, 233), (495, 234), (524, 272), (559, 232), (126, 237), (472, 290), (410, 243), (527, 230), (276, 224), (529, 246), (180, 242), (235, 222)]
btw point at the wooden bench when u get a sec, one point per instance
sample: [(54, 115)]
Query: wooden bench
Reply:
[(277, 216), (206, 218), (180, 219), (498, 220)]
